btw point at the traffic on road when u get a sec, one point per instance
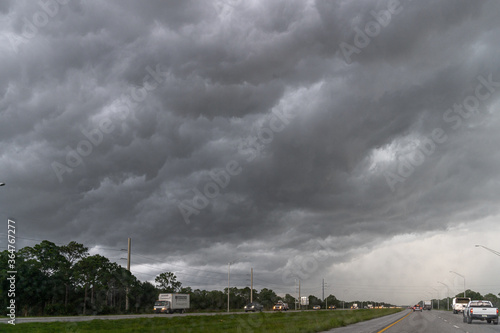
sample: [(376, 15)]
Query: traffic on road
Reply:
[(410, 321)]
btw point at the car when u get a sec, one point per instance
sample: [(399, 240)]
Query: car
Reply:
[(316, 307), (417, 307), (332, 307), (253, 307)]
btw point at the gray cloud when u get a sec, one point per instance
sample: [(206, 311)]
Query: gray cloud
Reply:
[(171, 92)]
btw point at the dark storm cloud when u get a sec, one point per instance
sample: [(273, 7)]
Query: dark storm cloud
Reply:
[(156, 98)]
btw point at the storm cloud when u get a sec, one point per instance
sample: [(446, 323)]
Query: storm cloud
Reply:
[(302, 137)]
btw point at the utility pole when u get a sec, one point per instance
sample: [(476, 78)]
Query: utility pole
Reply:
[(300, 299), (295, 289), (251, 285), (323, 288), (128, 269)]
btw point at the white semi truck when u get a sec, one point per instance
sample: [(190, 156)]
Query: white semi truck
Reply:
[(170, 303), (427, 305)]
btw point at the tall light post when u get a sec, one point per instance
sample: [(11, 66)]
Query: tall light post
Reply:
[(437, 291), (448, 293), (463, 277), (488, 249)]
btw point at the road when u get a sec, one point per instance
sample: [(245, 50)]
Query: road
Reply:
[(20, 320), (402, 322), (419, 322)]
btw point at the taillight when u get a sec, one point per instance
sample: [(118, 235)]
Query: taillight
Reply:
[(471, 311), (497, 310)]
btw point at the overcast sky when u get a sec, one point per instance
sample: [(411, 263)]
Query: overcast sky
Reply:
[(355, 141)]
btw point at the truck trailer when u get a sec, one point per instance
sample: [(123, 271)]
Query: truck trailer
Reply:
[(170, 303), (459, 304), (427, 305)]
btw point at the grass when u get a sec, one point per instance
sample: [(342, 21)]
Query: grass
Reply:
[(290, 322)]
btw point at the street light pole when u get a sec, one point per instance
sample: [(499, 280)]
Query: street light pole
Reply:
[(448, 293), (488, 249), (460, 276), (437, 291)]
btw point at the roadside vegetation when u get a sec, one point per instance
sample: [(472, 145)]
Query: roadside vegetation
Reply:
[(282, 322)]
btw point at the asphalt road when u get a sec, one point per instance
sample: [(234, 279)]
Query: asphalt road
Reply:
[(112, 317), (402, 322), (419, 322)]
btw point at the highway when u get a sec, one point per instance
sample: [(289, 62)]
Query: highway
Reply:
[(114, 317), (419, 322), (403, 322)]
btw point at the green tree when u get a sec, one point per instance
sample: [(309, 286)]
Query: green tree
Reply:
[(290, 300), (267, 298), (47, 258), (88, 273), (470, 293), (332, 300), (72, 253), (313, 300), (167, 282), (144, 294), (492, 298)]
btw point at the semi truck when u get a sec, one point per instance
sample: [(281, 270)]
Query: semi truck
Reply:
[(170, 303), (427, 305)]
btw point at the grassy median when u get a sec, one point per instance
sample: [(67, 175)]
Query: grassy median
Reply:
[(288, 322)]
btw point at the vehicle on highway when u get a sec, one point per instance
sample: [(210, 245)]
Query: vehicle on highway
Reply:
[(253, 307), (316, 307), (170, 303), (427, 305), (332, 307), (354, 306), (480, 310), (458, 304), (417, 307), (280, 306)]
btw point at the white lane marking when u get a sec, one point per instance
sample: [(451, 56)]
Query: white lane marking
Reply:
[(456, 326)]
